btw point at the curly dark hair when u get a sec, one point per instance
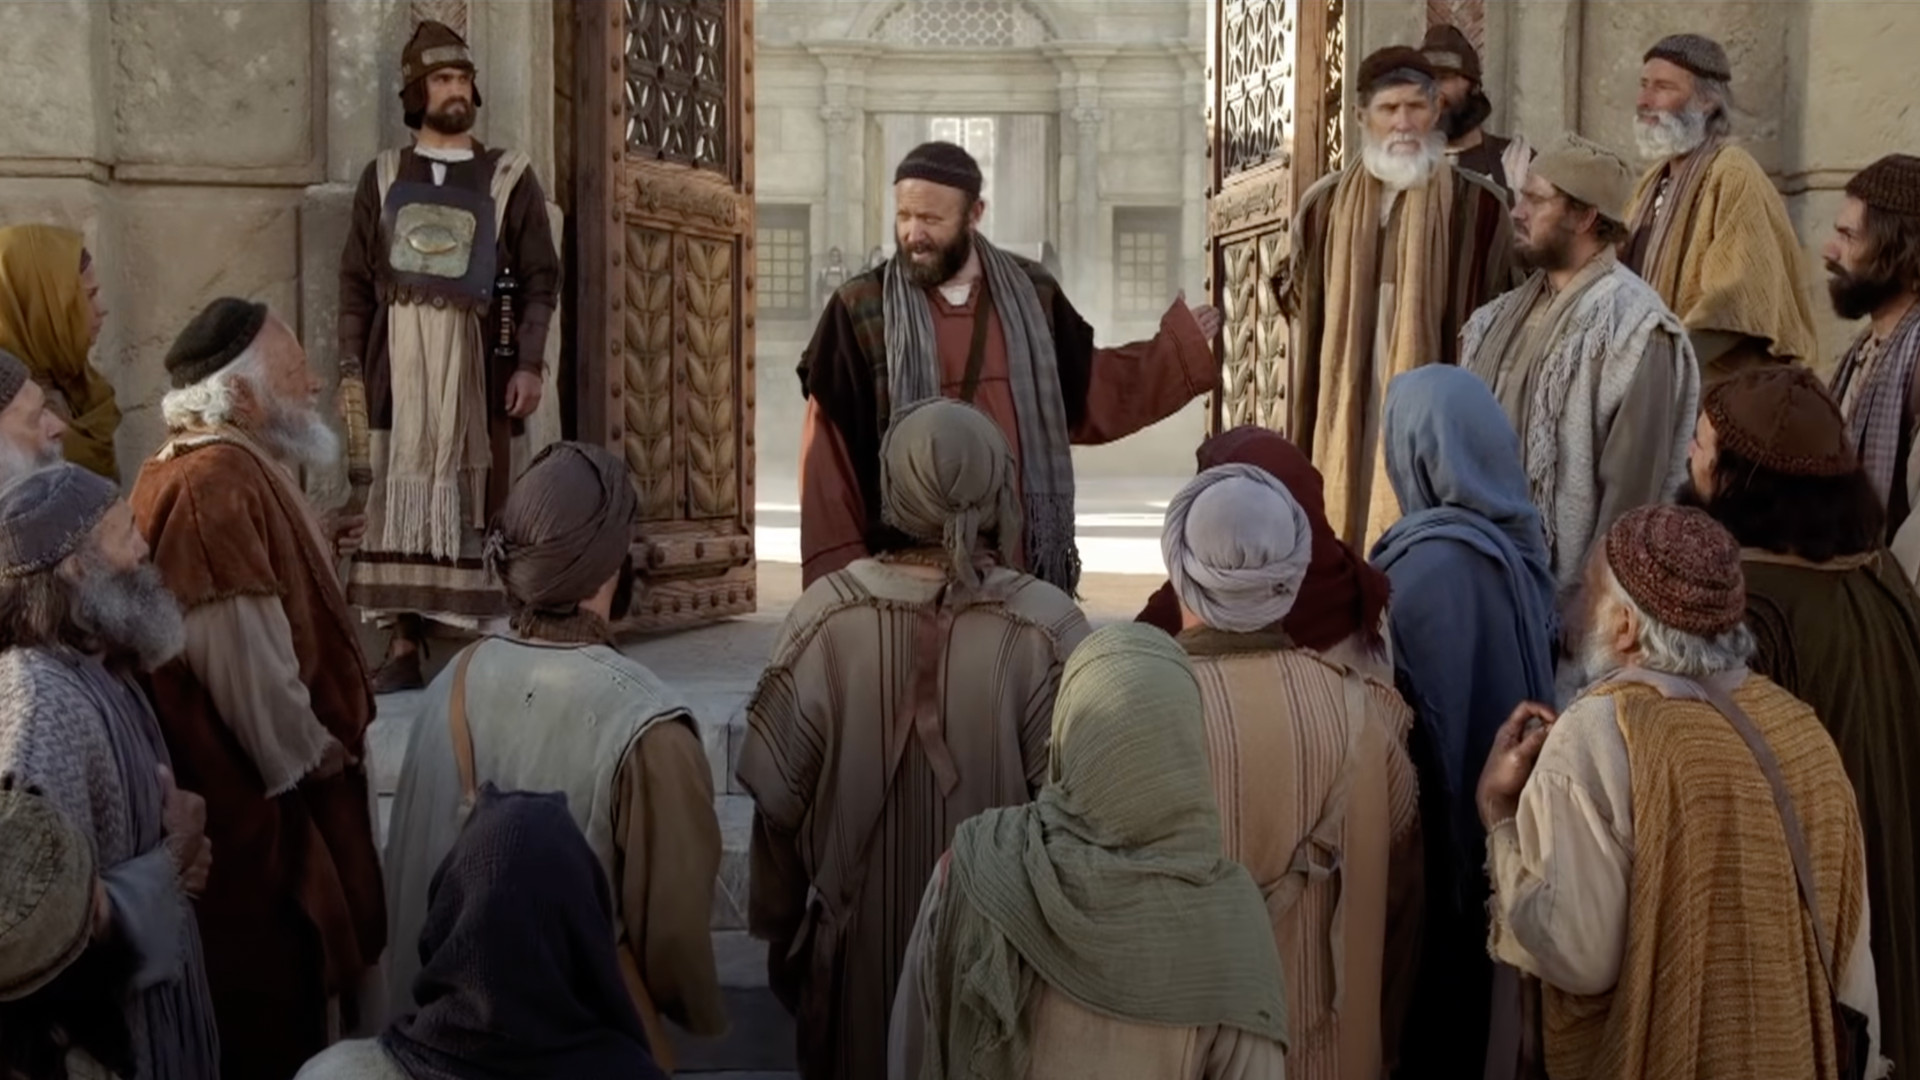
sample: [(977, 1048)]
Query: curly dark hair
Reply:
[(1894, 240), (1817, 518)]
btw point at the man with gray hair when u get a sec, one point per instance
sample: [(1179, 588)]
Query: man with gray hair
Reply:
[(82, 615), (1596, 375), (267, 709), (1678, 857), (1709, 231), (1390, 256), (1316, 792), (30, 432)]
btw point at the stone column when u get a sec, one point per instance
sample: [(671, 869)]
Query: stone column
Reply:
[(843, 95), (1193, 167), (1083, 254)]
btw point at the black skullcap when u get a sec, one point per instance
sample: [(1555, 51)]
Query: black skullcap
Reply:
[(941, 163), (1384, 62), (215, 336), (46, 514)]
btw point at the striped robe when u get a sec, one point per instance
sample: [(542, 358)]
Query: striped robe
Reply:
[(850, 817), (1278, 734)]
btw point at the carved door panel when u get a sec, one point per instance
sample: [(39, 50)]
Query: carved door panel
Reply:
[(663, 141), (1274, 114)]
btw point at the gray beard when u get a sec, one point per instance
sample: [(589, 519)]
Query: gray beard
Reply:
[(1595, 657), (299, 436), (131, 611), (15, 462), (1401, 172), (1671, 134)]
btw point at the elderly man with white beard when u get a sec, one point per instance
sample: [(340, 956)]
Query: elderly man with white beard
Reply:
[(30, 433), (267, 709), (82, 614), (1709, 231), (1390, 256)]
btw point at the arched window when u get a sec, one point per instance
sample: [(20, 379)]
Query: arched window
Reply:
[(962, 24)]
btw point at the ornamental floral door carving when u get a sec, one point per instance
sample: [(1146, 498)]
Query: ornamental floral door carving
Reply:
[(663, 288), (1275, 117)]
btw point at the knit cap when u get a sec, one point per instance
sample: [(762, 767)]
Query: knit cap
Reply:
[(1696, 52), (1891, 184), (1383, 62), (47, 514), (943, 163), (1781, 418), (1589, 172), (1682, 568), (46, 891)]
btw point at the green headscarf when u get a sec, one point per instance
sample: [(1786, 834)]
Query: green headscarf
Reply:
[(1110, 886)]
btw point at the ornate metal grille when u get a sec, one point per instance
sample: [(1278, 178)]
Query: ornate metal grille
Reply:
[(962, 24), (1334, 103), (1256, 98), (676, 81)]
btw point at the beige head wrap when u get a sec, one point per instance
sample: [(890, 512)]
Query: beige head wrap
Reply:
[(1237, 545), (1589, 172), (946, 476), (46, 892)]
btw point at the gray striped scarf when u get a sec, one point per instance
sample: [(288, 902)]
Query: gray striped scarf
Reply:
[(1877, 414), (1046, 459)]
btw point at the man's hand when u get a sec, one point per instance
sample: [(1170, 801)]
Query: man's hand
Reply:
[(333, 761), (523, 394), (347, 532), (1206, 315), (1515, 749), (183, 816)]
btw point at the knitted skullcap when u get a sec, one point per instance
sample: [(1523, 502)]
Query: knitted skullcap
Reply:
[(46, 514), (1384, 62), (1450, 53), (1891, 184), (46, 891), (1696, 52), (1780, 417), (221, 332), (13, 376), (1681, 567), (1589, 172), (941, 163)]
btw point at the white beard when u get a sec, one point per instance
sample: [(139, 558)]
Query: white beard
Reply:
[(1388, 161), (299, 435), (1596, 657), (1671, 134), (15, 462)]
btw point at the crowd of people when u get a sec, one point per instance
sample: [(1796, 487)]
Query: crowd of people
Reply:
[(1537, 705)]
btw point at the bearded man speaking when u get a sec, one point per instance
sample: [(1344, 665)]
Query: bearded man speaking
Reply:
[(1390, 256), (952, 315), (1709, 231)]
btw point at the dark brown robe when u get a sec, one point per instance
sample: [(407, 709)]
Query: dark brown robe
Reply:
[(294, 912), (1844, 637)]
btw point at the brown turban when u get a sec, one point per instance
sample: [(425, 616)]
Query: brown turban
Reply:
[(1780, 417), (565, 529), (1681, 567)]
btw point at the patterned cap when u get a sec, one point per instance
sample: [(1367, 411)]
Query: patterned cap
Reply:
[(1697, 53), (13, 376), (1780, 417), (46, 891), (1682, 568), (47, 514), (1450, 53), (1891, 184)]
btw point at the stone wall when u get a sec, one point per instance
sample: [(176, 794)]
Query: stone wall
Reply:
[(210, 148)]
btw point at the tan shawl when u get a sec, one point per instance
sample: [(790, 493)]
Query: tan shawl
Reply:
[(1350, 335), (1722, 253)]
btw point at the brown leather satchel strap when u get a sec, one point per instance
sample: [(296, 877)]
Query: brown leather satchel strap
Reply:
[(1789, 819), (457, 731)]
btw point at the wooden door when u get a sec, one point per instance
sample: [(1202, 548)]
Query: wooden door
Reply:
[(1275, 115), (664, 268)]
